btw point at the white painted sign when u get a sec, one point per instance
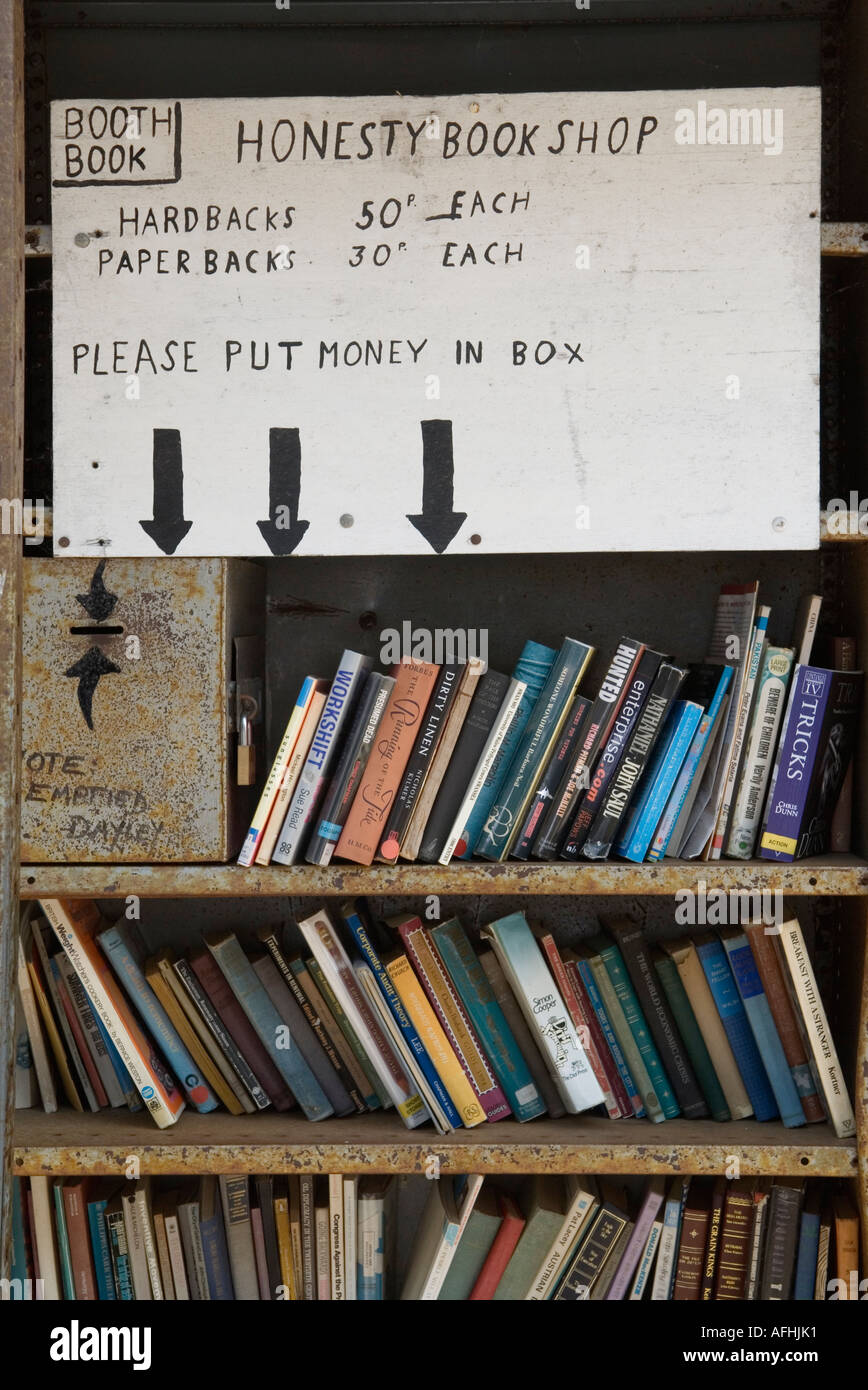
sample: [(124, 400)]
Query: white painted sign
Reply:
[(537, 322)]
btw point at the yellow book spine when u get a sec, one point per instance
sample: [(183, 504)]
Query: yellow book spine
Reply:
[(435, 1042), (284, 1246)]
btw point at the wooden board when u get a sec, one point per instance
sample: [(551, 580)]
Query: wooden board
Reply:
[(536, 322)]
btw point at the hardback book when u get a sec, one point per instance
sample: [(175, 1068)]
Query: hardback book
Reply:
[(333, 1030), (530, 1049), (478, 1238), (441, 758), (823, 1248), (551, 777), (805, 626), (690, 1263), (44, 941), (600, 1288), (762, 1025), (30, 1009), (134, 1226), (475, 993), (581, 966), (76, 924), (691, 1033), (545, 1203), (494, 705), (74, 1192), (579, 1016), (637, 1024), (429, 732), (564, 804), (799, 973), (288, 1282), (208, 1064), (608, 823), (125, 952), (667, 1252), (544, 1010), (313, 779), (259, 1250), (652, 1001), (808, 1249), (55, 1043), (710, 1024), (44, 1238), (352, 761), (337, 968), (403, 1053), (642, 1278), (371, 1238), (583, 1199), (377, 1094), (647, 806), (88, 1075), (166, 1277), (594, 1250), (758, 1228), (350, 1185), (267, 799), (847, 1248), (777, 994), (297, 1033), (620, 1025), (712, 1248), (532, 670), (444, 1220), (336, 1237), (768, 712), (98, 1198), (108, 1079), (613, 750), (652, 1202), (740, 728), (713, 959), (434, 978), (235, 1201), (292, 772), (363, 934), (841, 827), (534, 750), (322, 1241), (63, 1253), (588, 1011), (191, 1241), (167, 1203), (730, 1277), (302, 1224), (117, 1241), (210, 993), (709, 684), (381, 779), (497, 1260), (814, 752), (269, 938), (779, 1255), (267, 1024), (212, 1234)]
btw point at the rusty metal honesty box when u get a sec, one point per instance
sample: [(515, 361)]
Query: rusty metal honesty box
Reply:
[(130, 707)]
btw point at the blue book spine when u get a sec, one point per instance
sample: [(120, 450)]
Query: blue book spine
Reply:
[(672, 1216), (614, 963), (499, 1045), (63, 1243), (125, 1081), (156, 1020), (762, 1025), (384, 980), (120, 1257), (619, 1059), (665, 767), (216, 1255), (372, 1251), (806, 1259), (534, 666), (19, 1247), (734, 1019), (685, 777), (269, 1027), (102, 1255), (794, 761)]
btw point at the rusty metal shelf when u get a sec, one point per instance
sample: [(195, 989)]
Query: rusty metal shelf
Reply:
[(68, 1143), (839, 875)]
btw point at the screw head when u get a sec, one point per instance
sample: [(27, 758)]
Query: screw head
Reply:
[(779, 523), (347, 520), (82, 239)]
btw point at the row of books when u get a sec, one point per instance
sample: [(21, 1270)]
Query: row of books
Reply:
[(392, 1012), (336, 1237), (751, 747)]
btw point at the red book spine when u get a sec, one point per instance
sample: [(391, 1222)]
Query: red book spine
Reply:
[(237, 1024), (581, 1024), (81, 1043), (500, 1254), (619, 1090), (83, 1278)]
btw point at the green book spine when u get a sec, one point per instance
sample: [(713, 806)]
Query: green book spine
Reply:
[(691, 1036), (614, 963), (63, 1243), (348, 1031), (621, 1029), (536, 1241), (470, 1256)]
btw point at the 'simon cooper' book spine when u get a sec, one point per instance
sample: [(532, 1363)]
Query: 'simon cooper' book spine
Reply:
[(530, 1046), (381, 779), (278, 768), (800, 973), (606, 825), (646, 983), (768, 713), (475, 993), (759, 1016), (779, 1256), (612, 752), (579, 1018), (561, 812), (551, 777), (780, 1003), (267, 1024), (310, 789), (534, 750), (461, 770), (533, 669), (544, 1010), (351, 766), (441, 993), (428, 735), (727, 1000), (198, 977), (454, 721), (76, 923)]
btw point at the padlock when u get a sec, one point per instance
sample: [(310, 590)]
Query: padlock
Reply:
[(246, 751)]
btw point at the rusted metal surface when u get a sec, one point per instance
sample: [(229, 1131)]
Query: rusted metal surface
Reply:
[(843, 527), (102, 1144), (11, 487), (125, 741), (37, 241), (834, 875), (844, 239)]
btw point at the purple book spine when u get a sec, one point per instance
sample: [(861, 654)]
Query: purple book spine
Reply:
[(635, 1245), (792, 776)]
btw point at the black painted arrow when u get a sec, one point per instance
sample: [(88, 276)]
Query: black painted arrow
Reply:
[(437, 522), (284, 490), (90, 669), (98, 602), (168, 527)]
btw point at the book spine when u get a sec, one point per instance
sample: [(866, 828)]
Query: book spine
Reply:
[(378, 1095), (124, 1080), (646, 1262), (694, 1042), (508, 718), (580, 1023), (371, 1247), (308, 1239), (88, 1076), (351, 765), (297, 1034), (806, 1259), (779, 1002), (235, 1201), (687, 781), (551, 778), (741, 726), (101, 1251), (804, 984), (421, 758), (578, 1216), (289, 780), (189, 975), (333, 723), (176, 1258), (618, 975), (194, 1255), (780, 1246), (94, 1039), (689, 1265), (586, 975), (732, 1263), (715, 1222), (651, 1205), (797, 752), (762, 741), (149, 1245), (591, 1256), (83, 1277), (451, 733), (644, 816), (120, 1256), (624, 1035), (762, 1026), (266, 801), (336, 1237), (623, 1096), (310, 982), (664, 1271), (731, 1010)]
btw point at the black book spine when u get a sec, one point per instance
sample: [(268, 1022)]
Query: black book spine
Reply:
[(484, 708), (607, 821), (614, 750), (552, 777), (557, 820), (354, 755), (779, 1256), (667, 1039), (227, 1044), (265, 1201), (591, 1255), (430, 732), (837, 741)]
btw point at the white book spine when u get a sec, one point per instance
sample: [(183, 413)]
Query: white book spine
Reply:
[(323, 1253), (646, 1260), (505, 716), (176, 1257), (807, 996), (575, 1222), (46, 1249), (149, 1244), (741, 727), (351, 1192), (759, 753), (139, 1272), (336, 1237), (665, 1266), (272, 784), (371, 1211), (449, 1244)]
